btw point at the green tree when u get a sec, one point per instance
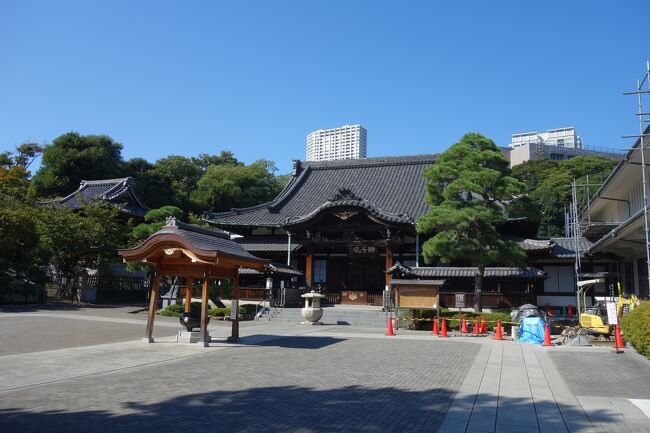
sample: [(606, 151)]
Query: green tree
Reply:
[(21, 256), (72, 158), (549, 186), (223, 187), (466, 189), (154, 220), (86, 238)]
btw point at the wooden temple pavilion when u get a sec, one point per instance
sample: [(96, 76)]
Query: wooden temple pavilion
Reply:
[(191, 252)]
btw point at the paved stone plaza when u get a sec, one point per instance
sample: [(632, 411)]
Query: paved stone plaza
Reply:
[(299, 379)]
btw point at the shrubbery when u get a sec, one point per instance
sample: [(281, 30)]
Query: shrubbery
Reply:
[(454, 318), (176, 310), (636, 327)]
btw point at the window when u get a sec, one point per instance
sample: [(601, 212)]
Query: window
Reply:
[(320, 271)]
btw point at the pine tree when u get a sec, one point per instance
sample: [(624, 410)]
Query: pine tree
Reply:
[(467, 188)]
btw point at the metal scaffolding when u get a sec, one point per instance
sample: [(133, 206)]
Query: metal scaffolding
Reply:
[(644, 119)]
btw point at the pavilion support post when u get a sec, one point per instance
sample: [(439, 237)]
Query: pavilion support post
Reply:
[(204, 339), (153, 304), (234, 315), (188, 294), (309, 259)]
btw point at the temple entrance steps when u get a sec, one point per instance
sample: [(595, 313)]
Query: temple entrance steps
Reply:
[(368, 317)]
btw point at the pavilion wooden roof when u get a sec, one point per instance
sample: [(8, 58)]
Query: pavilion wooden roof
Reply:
[(183, 246)]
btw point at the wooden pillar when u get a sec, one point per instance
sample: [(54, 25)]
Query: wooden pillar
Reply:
[(204, 339), (389, 263), (153, 303), (234, 335), (309, 259), (188, 294)]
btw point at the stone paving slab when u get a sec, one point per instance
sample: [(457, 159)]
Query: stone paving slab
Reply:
[(299, 383)]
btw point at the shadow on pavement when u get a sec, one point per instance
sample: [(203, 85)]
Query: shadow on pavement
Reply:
[(275, 409), (299, 342), (64, 306)]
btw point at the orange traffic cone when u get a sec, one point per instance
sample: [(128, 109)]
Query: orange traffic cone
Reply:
[(477, 328), (620, 343), (548, 310), (389, 329), (499, 334), (569, 311), (547, 336), (443, 332), (463, 326), (435, 327), (483, 325)]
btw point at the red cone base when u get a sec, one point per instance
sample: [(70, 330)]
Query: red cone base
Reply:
[(477, 328), (547, 336), (435, 327), (483, 325), (443, 332)]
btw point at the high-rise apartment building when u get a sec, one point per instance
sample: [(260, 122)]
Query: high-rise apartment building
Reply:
[(346, 142)]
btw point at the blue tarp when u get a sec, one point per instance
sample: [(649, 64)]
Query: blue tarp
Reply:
[(531, 330)]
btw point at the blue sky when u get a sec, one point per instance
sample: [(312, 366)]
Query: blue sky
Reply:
[(255, 77)]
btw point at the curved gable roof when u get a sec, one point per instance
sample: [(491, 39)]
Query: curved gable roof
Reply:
[(115, 191), (389, 188)]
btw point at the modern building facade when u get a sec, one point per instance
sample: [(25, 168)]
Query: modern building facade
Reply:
[(555, 144), (346, 142), (615, 217)]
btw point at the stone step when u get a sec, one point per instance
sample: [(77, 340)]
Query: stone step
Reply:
[(352, 317)]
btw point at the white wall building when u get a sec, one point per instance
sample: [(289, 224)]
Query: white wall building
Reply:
[(556, 144), (346, 142)]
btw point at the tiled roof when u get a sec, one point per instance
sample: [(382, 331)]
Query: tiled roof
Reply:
[(389, 188), (565, 248), (267, 244), (204, 239), (115, 191), (561, 248), (273, 268), (466, 272)]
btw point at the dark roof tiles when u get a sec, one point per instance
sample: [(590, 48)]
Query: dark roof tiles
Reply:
[(115, 191), (390, 188)]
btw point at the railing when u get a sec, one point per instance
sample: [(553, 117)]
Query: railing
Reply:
[(490, 300), (332, 298), (376, 299)]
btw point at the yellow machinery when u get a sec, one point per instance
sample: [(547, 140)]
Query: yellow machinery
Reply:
[(594, 319)]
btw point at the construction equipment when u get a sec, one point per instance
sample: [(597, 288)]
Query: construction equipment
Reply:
[(593, 319), (626, 302)]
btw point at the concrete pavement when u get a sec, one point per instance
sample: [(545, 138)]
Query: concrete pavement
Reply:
[(295, 378)]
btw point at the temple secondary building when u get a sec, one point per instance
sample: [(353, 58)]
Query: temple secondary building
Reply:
[(117, 192)]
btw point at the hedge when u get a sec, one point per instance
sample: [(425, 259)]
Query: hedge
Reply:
[(636, 328), (456, 317)]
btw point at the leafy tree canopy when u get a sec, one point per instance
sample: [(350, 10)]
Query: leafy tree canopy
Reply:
[(223, 187), (549, 186), (73, 157)]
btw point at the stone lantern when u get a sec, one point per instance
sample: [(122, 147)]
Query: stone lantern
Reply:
[(312, 312)]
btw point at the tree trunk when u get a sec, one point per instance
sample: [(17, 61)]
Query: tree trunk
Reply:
[(478, 287)]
